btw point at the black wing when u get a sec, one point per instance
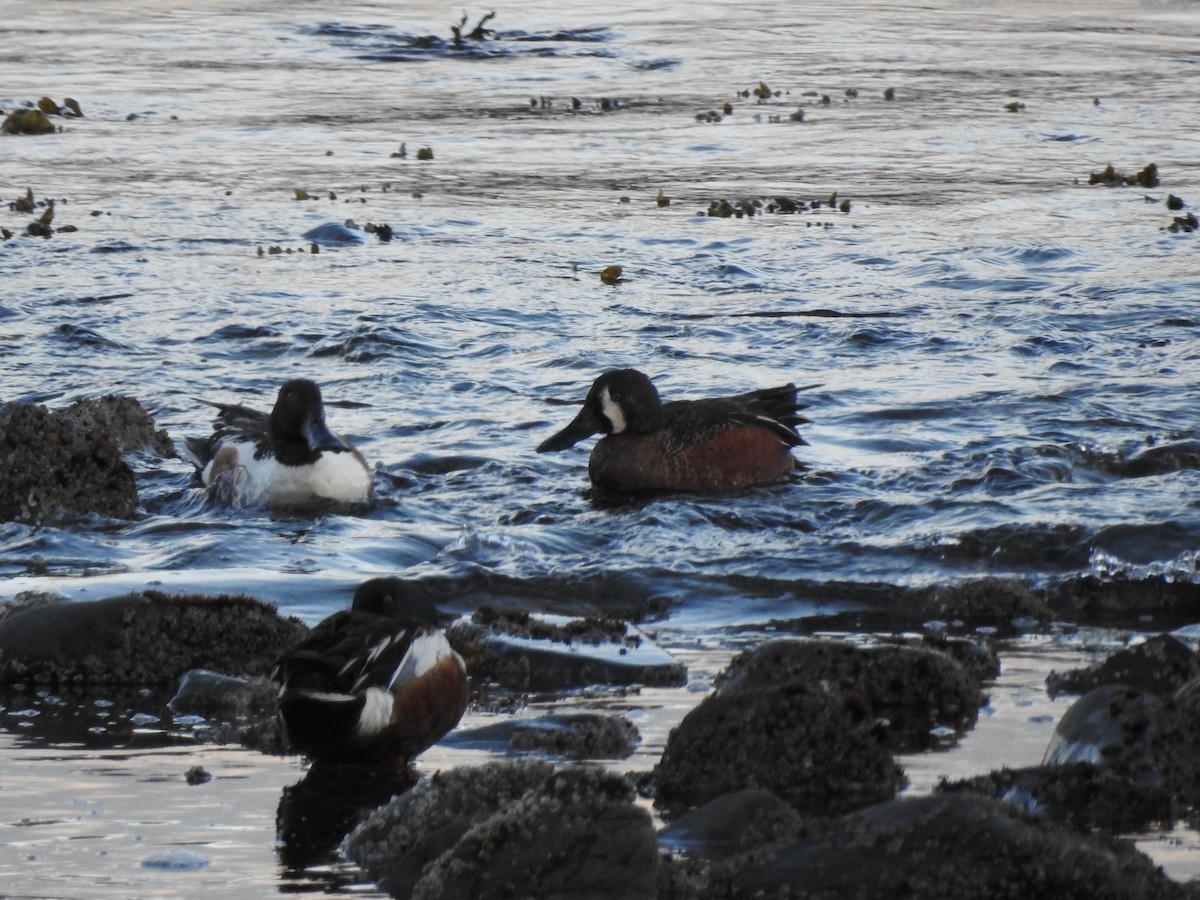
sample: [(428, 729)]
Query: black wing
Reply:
[(775, 409), (233, 423), (346, 653)]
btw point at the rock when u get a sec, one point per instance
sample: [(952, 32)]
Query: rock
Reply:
[(27, 121), (570, 735), (67, 463), (1111, 727), (146, 638), (945, 847), (527, 652), (731, 824), (915, 689), (334, 234), (1161, 665), (396, 842), (577, 834), (1080, 794), (511, 829), (815, 749)]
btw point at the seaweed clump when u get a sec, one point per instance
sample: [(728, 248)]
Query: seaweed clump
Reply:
[(1147, 177)]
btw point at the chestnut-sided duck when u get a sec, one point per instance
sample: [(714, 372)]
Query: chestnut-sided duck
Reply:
[(288, 456), (376, 684), (710, 445)]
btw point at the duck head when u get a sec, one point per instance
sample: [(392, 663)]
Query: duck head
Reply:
[(621, 401)]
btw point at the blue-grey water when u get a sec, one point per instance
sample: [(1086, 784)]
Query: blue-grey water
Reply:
[(992, 339)]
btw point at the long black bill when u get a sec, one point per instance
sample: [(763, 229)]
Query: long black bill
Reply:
[(320, 438), (585, 424)]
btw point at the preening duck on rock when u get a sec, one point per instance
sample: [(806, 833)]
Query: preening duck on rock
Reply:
[(375, 684)]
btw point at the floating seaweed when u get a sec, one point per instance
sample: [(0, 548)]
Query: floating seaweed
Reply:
[(781, 205), (1147, 177)]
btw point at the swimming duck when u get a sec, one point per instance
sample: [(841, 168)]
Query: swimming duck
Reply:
[(289, 456), (375, 684), (717, 444)]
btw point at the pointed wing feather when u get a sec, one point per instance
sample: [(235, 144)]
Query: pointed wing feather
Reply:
[(775, 409)]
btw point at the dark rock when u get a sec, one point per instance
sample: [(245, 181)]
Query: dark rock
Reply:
[(732, 824), (521, 651), (915, 689), (577, 736), (1112, 726), (197, 775), (334, 234), (569, 735), (945, 847), (816, 750), (1081, 794), (1160, 665), (147, 638), (396, 842), (67, 463), (27, 121), (511, 829), (577, 834)]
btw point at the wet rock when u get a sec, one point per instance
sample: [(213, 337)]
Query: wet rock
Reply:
[(914, 689), (335, 234), (67, 463), (945, 847), (236, 709), (522, 651), (983, 600), (1123, 600), (577, 834), (1112, 727), (27, 121), (577, 736), (1080, 794), (147, 638), (567, 735), (816, 750), (732, 824), (1161, 665), (527, 814)]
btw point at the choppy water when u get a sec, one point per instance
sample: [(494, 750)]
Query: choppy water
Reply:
[(993, 339)]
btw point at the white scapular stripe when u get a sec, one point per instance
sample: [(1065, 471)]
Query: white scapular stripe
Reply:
[(376, 713)]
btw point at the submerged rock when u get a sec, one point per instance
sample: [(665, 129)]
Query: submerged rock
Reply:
[(522, 651), (584, 735), (68, 462), (146, 638)]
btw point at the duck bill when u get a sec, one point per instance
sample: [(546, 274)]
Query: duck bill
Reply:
[(320, 438), (583, 425)]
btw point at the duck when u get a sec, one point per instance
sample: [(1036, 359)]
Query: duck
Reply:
[(288, 456), (376, 684), (711, 445)]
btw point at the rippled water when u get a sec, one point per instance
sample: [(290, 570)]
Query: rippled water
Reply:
[(994, 341)]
